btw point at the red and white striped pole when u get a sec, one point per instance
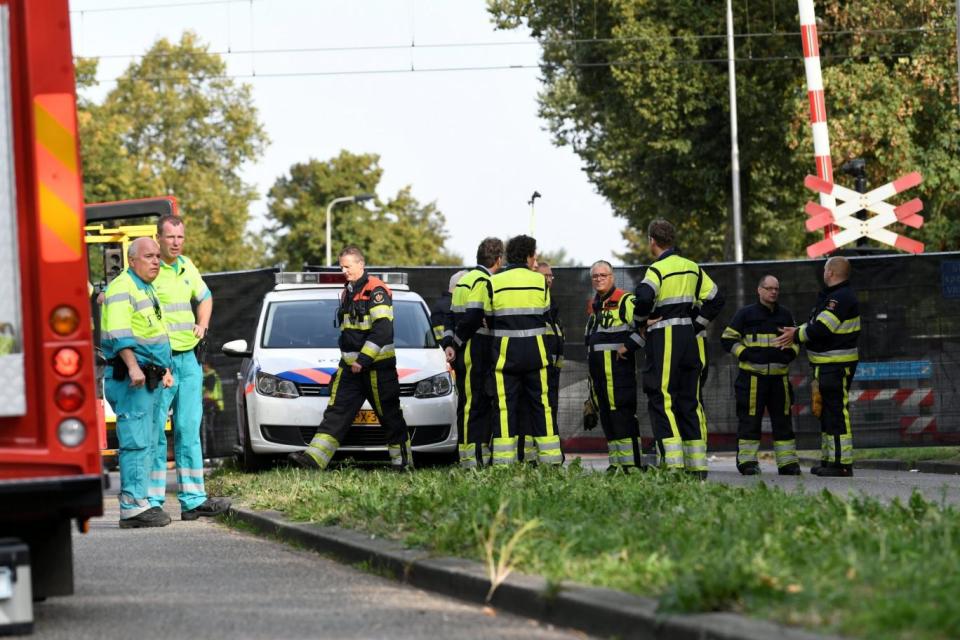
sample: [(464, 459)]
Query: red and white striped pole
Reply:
[(818, 105)]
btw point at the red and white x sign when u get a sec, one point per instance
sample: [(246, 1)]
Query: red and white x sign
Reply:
[(843, 215)]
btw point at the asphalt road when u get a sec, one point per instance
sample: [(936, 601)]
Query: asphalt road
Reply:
[(203, 580), (883, 485)]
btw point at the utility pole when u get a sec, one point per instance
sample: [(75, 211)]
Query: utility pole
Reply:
[(734, 145)]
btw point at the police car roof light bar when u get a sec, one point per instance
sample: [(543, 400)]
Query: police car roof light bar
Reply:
[(391, 277)]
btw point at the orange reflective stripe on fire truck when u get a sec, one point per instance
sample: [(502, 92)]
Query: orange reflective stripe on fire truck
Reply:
[(58, 179)]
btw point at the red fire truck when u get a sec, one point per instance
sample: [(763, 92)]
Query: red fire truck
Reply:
[(50, 473)]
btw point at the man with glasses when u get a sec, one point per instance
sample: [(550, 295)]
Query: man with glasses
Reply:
[(137, 349), (762, 383), (611, 344)]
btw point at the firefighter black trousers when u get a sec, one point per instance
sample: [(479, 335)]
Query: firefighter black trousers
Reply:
[(671, 380), (756, 394), (614, 382), (472, 369), (348, 391), (836, 430)]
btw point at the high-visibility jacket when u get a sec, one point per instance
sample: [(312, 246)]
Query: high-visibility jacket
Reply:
[(520, 305), (677, 291), (366, 318), (750, 336), (212, 388), (131, 318), (469, 304), (178, 285), (610, 322), (833, 329)]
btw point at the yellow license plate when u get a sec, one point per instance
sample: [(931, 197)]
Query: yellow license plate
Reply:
[(366, 417)]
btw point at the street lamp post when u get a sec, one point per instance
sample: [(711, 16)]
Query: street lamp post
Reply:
[(355, 199)]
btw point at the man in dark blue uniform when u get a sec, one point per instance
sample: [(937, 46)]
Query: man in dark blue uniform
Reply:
[(762, 383)]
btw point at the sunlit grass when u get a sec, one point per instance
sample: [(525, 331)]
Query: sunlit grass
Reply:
[(854, 566)]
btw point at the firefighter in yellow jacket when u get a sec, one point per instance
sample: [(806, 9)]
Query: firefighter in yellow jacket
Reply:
[(367, 370), (518, 322), (679, 299)]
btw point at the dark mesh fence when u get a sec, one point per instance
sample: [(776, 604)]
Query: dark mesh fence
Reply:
[(237, 297), (905, 391)]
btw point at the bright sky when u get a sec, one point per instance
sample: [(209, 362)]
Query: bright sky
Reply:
[(470, 140)]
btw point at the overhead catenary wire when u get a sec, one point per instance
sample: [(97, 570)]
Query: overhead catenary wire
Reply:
[(389, 71), (527, 43)]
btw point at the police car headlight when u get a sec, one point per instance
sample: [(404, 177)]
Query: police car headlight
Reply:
[(268, 385), (439, 385)]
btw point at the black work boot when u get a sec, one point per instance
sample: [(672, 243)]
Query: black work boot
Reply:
[(303, 460), (699, 475), (152, 517), (792, 469), (836, 471), (749, 468), (816, 469), (208, 508)]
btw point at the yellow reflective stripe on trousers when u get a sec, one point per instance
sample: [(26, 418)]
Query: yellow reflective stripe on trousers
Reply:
[(502, 396), (544, 399), (322, 448), (467, 391), (548, 450), (672, 453), (504, 450), (608, 374), (753, 395), (785, 452), (846, 398), (747, 450), (665, 382), (375, 387), (695, 455), (701, 414), (334, 385), (786, 396)]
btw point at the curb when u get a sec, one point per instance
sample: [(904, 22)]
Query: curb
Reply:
[(928, 466), (594, 610)]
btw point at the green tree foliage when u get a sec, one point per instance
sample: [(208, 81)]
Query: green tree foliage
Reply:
[(639, 90), (399, 231), (174, 124)]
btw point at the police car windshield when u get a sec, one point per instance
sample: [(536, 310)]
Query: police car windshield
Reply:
[(310, 324)]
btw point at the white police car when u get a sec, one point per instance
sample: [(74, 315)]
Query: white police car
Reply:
[(285, 376)]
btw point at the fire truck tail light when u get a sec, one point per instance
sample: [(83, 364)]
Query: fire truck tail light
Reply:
[(64, 320), (69, 397), (71, 432), (66, 362)]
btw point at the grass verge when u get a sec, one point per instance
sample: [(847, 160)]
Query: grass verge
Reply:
[(853, 566)]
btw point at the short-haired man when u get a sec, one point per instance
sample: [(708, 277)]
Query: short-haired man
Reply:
[(762, 383), (180, 286), (830, 336), (518, 321), (612, 341), (367, 369), (468, 347), (135, 344), (680, 300)]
